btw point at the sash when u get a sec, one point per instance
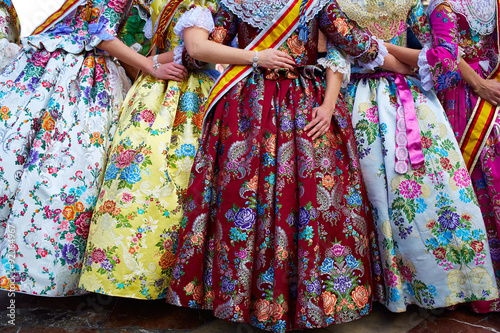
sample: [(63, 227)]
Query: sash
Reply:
[(275, 34), (166, 16), (67, 7), (483, 118), (12, 12)]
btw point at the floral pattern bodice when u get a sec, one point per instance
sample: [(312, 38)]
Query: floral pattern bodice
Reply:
[(75, 34), (330, 20)]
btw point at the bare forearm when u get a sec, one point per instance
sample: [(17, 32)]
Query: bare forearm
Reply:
[(404, 54), (469, 75), (199, 47), (333, 84), (165, 57), (123, 53)]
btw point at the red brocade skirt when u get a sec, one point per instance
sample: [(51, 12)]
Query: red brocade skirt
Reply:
[(277, 231)]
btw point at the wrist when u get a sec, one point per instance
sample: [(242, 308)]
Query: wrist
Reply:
[(478, 85), (149, 66)]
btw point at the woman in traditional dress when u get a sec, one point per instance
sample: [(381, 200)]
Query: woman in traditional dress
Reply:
[(276, 230), (9, 33), (60, 100), (130, 251), (432, 238), (463, 53), (138, 32)]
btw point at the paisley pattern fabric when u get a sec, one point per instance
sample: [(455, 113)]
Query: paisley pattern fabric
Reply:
[(433, 244), (451, 32), (276, 231), (59, 102), (131, 246), (9, 34)]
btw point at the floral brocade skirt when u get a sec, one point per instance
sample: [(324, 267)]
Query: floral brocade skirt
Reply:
[(276, 231), (432, 239), (459, 103), (130, 251), (58, 115)]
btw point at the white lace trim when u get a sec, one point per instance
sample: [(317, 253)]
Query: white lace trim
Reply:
[(199, 17), (148, 29), (178, 50), (424, 69), (136, 47), (260, 13), (143, 13), (480, 14), (345, 70), (379, 60)]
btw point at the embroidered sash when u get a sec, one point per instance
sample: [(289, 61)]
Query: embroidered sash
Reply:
[(275, 34), (12, 12), (166, 16), (483, 118)]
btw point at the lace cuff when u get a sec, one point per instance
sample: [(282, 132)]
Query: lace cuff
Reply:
[(199, 17), (334, 66), (379, 60), (98, 33), (424, 69), (178, 50)]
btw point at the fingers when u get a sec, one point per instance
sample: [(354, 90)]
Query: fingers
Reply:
[(321, 132), (312, 123)]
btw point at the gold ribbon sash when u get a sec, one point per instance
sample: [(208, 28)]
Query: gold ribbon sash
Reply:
[(166, 16)]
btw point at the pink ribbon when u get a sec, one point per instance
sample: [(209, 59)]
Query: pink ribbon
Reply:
[(407, 130)]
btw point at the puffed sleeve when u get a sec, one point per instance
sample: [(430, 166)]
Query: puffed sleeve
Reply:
[(349, 38), (224, 32), (200, 17), (438, 65)]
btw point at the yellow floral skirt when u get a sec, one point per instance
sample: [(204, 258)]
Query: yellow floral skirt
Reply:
[(133, 234)]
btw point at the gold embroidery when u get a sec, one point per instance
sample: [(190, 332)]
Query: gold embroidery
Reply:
[(383, 18)]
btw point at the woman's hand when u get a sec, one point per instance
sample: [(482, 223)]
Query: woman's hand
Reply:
[(321, 120), (489, 90), (170, 71), (274, 59)]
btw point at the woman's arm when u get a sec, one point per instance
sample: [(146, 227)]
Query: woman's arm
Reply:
[(488, 89), (168, 71), (199, 47), (404, 54), (349, 38), (322, 115)]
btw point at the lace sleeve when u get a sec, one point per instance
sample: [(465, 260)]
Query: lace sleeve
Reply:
[(336, 62)]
